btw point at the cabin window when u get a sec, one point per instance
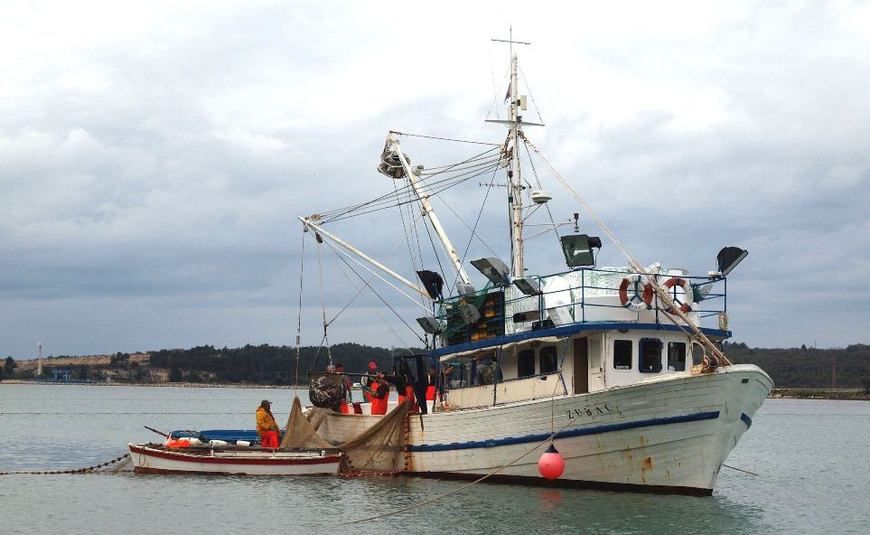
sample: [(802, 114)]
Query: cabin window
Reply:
[(676, 356), (622, 354), (595, 353), (650, 355), (697, 354), (548, 359), (526, 363), (487, 369)]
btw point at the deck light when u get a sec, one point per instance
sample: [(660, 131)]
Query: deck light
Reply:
[(729, 257), (430, 325), (528, 285), (493, 269), (577, 249)]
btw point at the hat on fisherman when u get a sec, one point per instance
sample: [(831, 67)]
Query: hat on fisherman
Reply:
[(373, 365), (265, 402)]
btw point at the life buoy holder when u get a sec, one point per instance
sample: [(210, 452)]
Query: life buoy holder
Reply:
[(687, 299), (709, 364), (642, 293)]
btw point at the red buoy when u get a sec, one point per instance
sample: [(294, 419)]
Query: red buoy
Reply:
[(551, 465)]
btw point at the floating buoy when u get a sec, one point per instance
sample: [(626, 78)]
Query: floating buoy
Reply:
[(551, 464)]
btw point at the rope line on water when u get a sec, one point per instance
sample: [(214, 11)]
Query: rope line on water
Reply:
[(739, 469), (84, 470), (463, 487)]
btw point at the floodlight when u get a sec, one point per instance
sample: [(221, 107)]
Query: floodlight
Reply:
[(430, 325), (493, 269), (528, 285), (729, 257), (577, 249)]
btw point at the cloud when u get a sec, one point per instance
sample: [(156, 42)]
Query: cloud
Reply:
[(155, 157)]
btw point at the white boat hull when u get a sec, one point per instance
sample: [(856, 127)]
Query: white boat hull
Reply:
[(153, 459), (669, 434)]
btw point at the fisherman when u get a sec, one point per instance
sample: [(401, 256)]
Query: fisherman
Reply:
[(344, 406), (431, 381), (380, 392), (404, 382), (267, 428), (366, 380), (345, 382)]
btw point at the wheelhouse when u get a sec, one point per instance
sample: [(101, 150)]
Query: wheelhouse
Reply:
[(581, 333)]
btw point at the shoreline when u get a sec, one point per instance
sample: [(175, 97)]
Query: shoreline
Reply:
[(847, 394), (155, 385)]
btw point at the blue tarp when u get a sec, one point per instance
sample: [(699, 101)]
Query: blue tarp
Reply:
[(228, 435)]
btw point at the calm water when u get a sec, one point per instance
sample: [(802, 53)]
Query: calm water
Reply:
[(812, 457)]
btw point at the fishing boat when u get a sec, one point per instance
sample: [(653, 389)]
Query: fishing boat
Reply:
[(228, 459), (617, 371), (238, 452)]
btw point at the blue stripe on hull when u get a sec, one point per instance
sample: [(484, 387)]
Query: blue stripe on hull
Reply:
[(539, 437), (746, 419)]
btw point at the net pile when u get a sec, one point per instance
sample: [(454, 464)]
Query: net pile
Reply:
[(378, 449)]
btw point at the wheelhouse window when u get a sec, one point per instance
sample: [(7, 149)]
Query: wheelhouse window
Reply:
[(676, 356), (697, 354), (622, 354), (547, 356), (650, 355), (526, 363)]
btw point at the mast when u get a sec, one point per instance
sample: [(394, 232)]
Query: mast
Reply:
[(515, 200), (515, 197)]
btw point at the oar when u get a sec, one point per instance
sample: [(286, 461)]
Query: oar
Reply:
[(161, 433)]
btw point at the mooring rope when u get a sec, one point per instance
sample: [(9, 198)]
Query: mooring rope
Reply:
[(84, 470), (739, 469)]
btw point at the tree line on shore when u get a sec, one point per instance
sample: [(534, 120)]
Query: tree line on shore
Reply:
[(803, 367)]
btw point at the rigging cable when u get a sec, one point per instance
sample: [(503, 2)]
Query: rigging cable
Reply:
[(388, 198), (299, 319), (378, 312), (479, 214), (359, 290), (529, 89), (541, 186), (376, 274), (439, 138), (413, 240), (344, 260), (325, 338), (662, 294), (466, 225)]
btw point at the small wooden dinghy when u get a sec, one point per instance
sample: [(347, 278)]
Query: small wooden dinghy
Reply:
[(158, 459)]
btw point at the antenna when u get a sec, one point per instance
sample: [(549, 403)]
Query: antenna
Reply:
[(515, 199)]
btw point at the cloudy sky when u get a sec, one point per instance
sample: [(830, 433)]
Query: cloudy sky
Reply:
[(154, 156)]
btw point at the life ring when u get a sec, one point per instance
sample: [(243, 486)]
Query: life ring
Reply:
[(688, 294), (639, 300)]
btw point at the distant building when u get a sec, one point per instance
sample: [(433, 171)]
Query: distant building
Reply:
[(61, 375)]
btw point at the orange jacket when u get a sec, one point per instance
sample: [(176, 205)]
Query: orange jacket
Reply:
[(265, 421), (380, 396)]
